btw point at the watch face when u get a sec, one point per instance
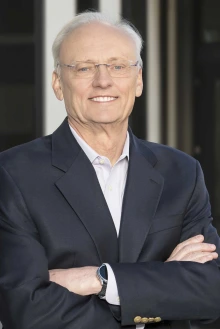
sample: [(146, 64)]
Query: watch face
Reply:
[(103, 271)]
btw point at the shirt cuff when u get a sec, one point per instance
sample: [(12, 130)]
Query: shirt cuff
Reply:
[(111, 295)]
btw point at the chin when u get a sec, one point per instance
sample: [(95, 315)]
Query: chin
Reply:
[(109, 120), (105, 120)]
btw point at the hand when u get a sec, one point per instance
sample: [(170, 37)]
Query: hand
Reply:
[(194, 250), (81, 280)]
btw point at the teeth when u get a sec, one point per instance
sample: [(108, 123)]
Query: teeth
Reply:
[(103, 99)]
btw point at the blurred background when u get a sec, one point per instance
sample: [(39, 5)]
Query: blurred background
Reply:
[(180, 105)]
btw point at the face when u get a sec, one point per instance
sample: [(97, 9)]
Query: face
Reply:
[(101, 99)]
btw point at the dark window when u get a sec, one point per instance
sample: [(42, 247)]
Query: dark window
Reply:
[(19, 99)]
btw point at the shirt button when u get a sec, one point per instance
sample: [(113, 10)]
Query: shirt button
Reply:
[(110, 188), (101, 161)]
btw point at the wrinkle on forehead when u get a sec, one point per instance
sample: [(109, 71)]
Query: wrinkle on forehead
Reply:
[(98, 41)]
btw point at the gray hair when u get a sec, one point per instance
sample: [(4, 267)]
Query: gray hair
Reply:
[(91, 17)]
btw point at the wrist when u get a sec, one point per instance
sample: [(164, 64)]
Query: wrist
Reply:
[(96, 285), (102, 276)]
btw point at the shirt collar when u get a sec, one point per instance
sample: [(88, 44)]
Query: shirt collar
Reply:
[(91, 154)]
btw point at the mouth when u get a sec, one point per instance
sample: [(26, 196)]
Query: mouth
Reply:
[(101, 99)]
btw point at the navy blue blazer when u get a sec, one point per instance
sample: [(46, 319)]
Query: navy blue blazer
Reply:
[(53, 215)]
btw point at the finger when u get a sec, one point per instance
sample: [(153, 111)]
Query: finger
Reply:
[(189, 257), (194, 239), (207, 258), (190, 250), (198, 247), (196, 257), (211, 255)]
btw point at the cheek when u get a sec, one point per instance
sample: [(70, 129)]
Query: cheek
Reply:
[(130, 94), (127, 87), (79, 92), (74, 94)]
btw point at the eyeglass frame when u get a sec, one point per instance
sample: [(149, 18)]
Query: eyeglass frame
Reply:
[(96, 65)]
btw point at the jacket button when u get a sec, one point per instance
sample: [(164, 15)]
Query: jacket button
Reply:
[(158, 319), (144, 320), (151, 320), (137, 319)]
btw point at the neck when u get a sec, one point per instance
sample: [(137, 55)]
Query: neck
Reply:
[(106, 139)]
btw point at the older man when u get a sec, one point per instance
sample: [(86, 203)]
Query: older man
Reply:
[(99, 229)]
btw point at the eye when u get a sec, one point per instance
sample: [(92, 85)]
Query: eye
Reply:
[(118, 67), (84, 67)]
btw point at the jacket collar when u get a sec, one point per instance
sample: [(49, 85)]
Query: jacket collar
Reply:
[(80, 186)]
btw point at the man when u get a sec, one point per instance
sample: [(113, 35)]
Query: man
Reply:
[(98, 228)]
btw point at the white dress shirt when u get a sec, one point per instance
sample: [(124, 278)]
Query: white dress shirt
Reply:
[(112, 180)]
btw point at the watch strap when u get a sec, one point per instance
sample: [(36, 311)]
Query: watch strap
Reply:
[(103, 280), (102, 293)]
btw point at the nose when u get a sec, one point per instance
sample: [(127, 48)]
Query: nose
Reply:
[(102, 77)]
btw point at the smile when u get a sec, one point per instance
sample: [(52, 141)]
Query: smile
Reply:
[(103, 99)]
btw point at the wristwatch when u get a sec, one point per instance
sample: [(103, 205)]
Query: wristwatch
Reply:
[(102, 275)]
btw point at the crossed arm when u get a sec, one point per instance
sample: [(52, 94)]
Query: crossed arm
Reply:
[(83, 280), (177, 289)]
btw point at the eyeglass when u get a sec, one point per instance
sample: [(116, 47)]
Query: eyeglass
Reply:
[(116, 69)]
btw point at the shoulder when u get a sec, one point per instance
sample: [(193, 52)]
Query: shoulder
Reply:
[(164, 153), (167, 160), (26, 154)]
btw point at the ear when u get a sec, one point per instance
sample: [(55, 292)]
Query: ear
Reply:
[(139, 84), (56, 85)]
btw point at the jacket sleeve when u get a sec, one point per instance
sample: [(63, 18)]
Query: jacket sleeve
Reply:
[(175, 290), (27, 298)]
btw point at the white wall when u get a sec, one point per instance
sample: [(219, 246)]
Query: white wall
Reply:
[(56, 14), (112, 8), (153, 72)]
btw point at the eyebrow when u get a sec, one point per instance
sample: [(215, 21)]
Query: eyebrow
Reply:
[(109, 59), (114, 58)]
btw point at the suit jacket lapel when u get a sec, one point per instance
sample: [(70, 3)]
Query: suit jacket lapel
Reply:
[(80, 186), (142, 193)]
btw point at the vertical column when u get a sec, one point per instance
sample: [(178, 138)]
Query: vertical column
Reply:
[(153, 71), (112, 8), (135, 12), (185, 52), (56, 14), (171, 74)]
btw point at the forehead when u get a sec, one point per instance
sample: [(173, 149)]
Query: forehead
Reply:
[(97, 41)]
